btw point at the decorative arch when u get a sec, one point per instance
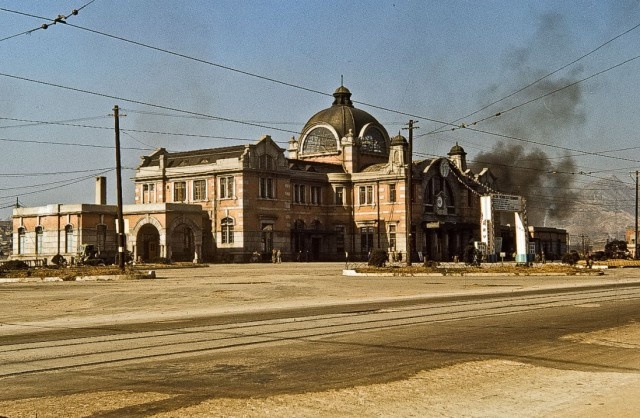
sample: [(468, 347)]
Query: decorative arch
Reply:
[(148, 244)]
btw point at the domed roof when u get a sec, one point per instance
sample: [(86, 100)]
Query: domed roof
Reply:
[(329, 126), (457, 150), (399, 140)]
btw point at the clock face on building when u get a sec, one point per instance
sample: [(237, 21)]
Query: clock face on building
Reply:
[(440, 202), (444, 168)]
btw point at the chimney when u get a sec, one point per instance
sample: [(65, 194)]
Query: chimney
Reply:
[(101, 190)]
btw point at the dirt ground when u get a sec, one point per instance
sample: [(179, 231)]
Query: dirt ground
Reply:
[(474, 389)]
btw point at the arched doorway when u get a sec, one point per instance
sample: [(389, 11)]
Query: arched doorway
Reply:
[(148, 243), (182, 243)]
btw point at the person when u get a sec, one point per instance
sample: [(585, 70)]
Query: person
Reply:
[(587, 260), (273, 256), (278, 256)]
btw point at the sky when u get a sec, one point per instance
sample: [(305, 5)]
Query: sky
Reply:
[(563, 75)]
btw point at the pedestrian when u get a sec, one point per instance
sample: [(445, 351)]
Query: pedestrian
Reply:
[(278, 256), (273, 256)]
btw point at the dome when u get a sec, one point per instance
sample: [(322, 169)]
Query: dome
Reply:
[(457, 150), (323, 132), (399, 140)]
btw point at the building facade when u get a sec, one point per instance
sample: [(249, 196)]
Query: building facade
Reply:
[(339, 190)]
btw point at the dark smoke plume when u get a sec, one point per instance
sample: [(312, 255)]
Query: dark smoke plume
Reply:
[(544, 180)]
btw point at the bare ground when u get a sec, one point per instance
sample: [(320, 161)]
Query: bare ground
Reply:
[(474, 389)]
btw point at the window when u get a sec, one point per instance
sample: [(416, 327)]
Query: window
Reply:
[(265, 162), (392, 236), (22, 234), (227, 188), (68, 239), (199, 190), (340, 196), (366, 195), (340, 238), (319, 140), (392, 192), (39, 239), (179, 191), (316, 195), (366, 239), (267, 188), (226, 225), (148, 193), (373, 141), (299, 193)]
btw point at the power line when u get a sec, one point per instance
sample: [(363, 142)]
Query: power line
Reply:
[(29, 141), (44, 26), (549, 74)]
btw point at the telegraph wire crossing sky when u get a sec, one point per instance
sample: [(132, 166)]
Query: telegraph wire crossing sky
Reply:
[(563, 78)]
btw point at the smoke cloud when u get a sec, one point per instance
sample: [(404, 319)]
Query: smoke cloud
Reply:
[(524, 169)]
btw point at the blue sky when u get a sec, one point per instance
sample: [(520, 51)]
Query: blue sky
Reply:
[(270, 65)]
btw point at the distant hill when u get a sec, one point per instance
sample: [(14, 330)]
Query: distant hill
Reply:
[(603, 210)]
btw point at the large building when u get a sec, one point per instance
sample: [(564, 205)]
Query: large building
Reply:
[(339, 188)]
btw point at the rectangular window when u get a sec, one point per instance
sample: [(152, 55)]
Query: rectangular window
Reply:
[(316, 195), (148, 193), (366, 239), (227, 188), (366, 195), (179, 191), (299, 193), (199, 190), (340, 196), (392, 236), (392, 192), (267, 188)]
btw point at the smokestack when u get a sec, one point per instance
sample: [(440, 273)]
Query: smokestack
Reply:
[(101, 190)]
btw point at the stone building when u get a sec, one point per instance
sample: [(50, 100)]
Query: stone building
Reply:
[(341, 189), (338, 188)]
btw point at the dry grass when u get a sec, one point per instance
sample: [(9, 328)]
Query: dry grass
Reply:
[(538, 269)]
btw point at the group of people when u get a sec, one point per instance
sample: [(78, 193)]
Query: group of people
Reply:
[(276, 256)]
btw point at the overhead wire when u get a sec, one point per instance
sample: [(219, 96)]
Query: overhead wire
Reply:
[(44, 26)]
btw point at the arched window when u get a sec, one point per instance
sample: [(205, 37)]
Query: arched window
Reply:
[(226, 226), (320, 140), (68, 239), (450, 197), (22, 240), (39, 239), (373, 141)]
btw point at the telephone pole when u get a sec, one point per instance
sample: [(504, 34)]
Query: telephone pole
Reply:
[(408, 193), (635, 231), (120, 233)]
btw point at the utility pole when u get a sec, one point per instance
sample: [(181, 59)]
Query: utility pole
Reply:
[(120, 232), (635, 231), (408, 192)]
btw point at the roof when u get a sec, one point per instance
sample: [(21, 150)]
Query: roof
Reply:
[(343, 117), (191, 158)]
